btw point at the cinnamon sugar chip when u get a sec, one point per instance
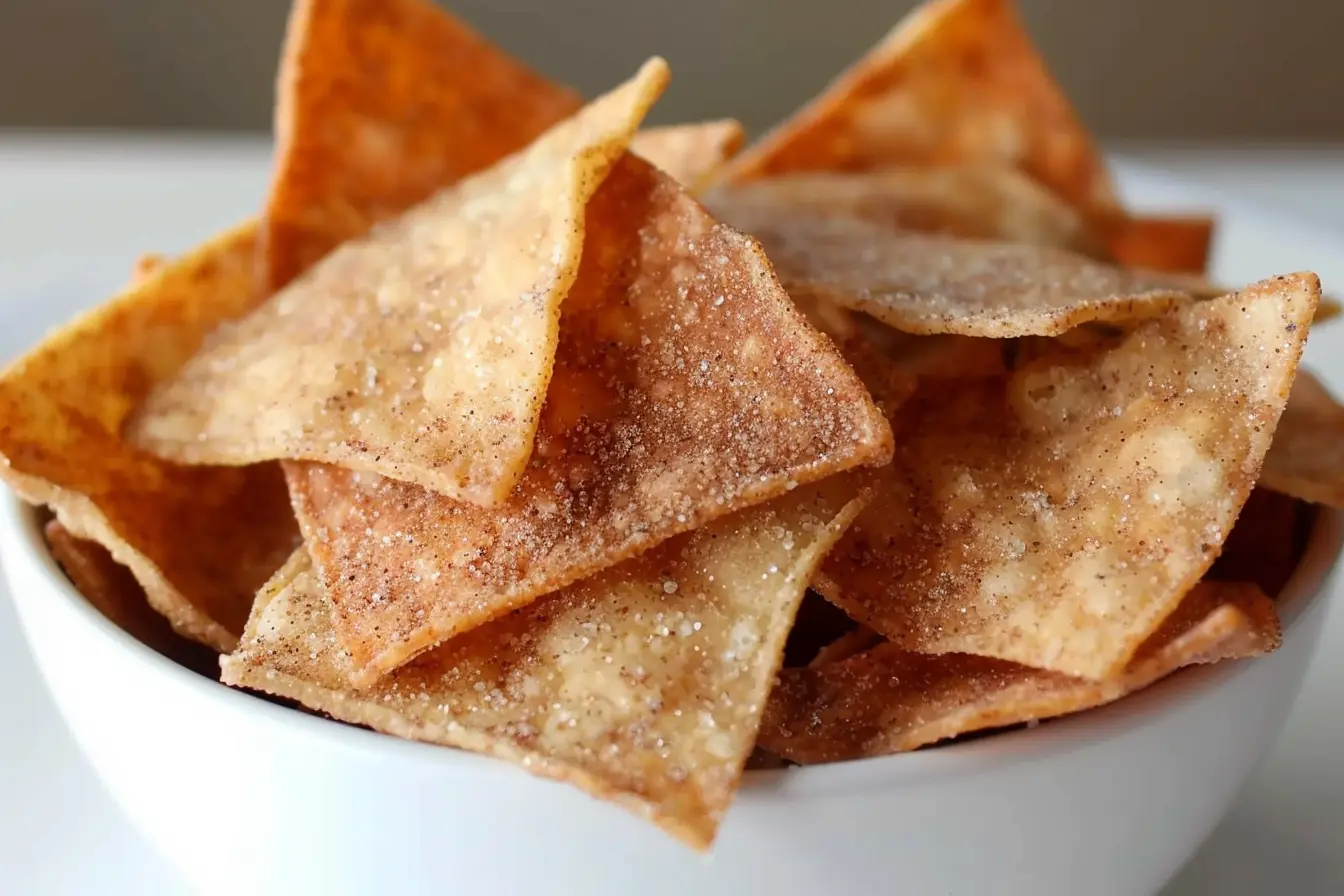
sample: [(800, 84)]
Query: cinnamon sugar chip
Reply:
[(887, 700), (924, 283), (691, 153), (643, 685), (686, 386), (958, 81), (1055, 518), (1306, 459), (381, 103), (115, 593), (200, 541), (423, 351), (971, 201)]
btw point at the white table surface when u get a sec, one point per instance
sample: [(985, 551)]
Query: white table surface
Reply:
[(74, 213)]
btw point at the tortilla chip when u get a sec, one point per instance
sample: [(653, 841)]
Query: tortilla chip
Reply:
[(1056, 518), (958, 81), (888, 701), (686, 386), (1175, 244), (200, 541), (1263, 545), (1307, 457), (379, 104), (423, 351), (691, 153), (942, 356), (971, 201), (643, 685), (115, 593), (921, 283)]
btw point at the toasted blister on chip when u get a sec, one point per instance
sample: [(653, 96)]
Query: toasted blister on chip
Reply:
[(1056, 517), (1176, 244), (958, 81), (887, 700), (932, 283), (423, 351), (200, 541), (115, 593), (380, 103), (686, 386), (1306, 459), (691, 153), (643, 685), (972, 201)]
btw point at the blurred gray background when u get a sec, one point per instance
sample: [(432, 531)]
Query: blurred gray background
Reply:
[(1168, 69)]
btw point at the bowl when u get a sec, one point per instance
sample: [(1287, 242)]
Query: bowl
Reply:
[(243, 795)]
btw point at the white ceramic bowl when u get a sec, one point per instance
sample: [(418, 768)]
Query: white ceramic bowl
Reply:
[(245, 796)]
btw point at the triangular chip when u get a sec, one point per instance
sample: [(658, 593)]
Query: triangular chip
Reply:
[(972, 201), (887, 700), (379, 104), (200, 541), (1307, 457), (691, 153), (423, 351), (643, 685), (925, 283), (958, 81), (1056, 518), (686, 386), (115, 593)]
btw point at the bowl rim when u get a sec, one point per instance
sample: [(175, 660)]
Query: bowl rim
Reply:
[(23, 546)]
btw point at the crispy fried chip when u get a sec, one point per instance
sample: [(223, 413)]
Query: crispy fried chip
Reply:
[(1056, 518), (200, 541), (381, 103), (1307, 457), (958, 81), (972, 201), (686, 386), (888, 701), (691, 153), (115, 593), (1176, 244), (922, 283), (643, 685), (423, 351)]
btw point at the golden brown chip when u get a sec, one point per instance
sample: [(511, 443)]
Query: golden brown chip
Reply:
[(1263, 545), (1306, 459), (146, 266), (971, 201), (643, 685), (691, 153), (941, 356), (1055, 518), (887, 700), (1176, 244), (381, 103), (115, 593), (686, 386), (423, 351), (958, 81), (200, 541), (923, 283)]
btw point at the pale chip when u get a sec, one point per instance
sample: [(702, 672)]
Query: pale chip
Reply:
[(971, 201), (380, 104), (1056, 518), (115, 593), (422, 351), (1306, 459), (927, 283), (643, 685), (887, 700), (686, 386), (200, 541), (691, 153), (958, 81)]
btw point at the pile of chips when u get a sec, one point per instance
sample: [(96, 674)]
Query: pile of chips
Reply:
[(515, 427)]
